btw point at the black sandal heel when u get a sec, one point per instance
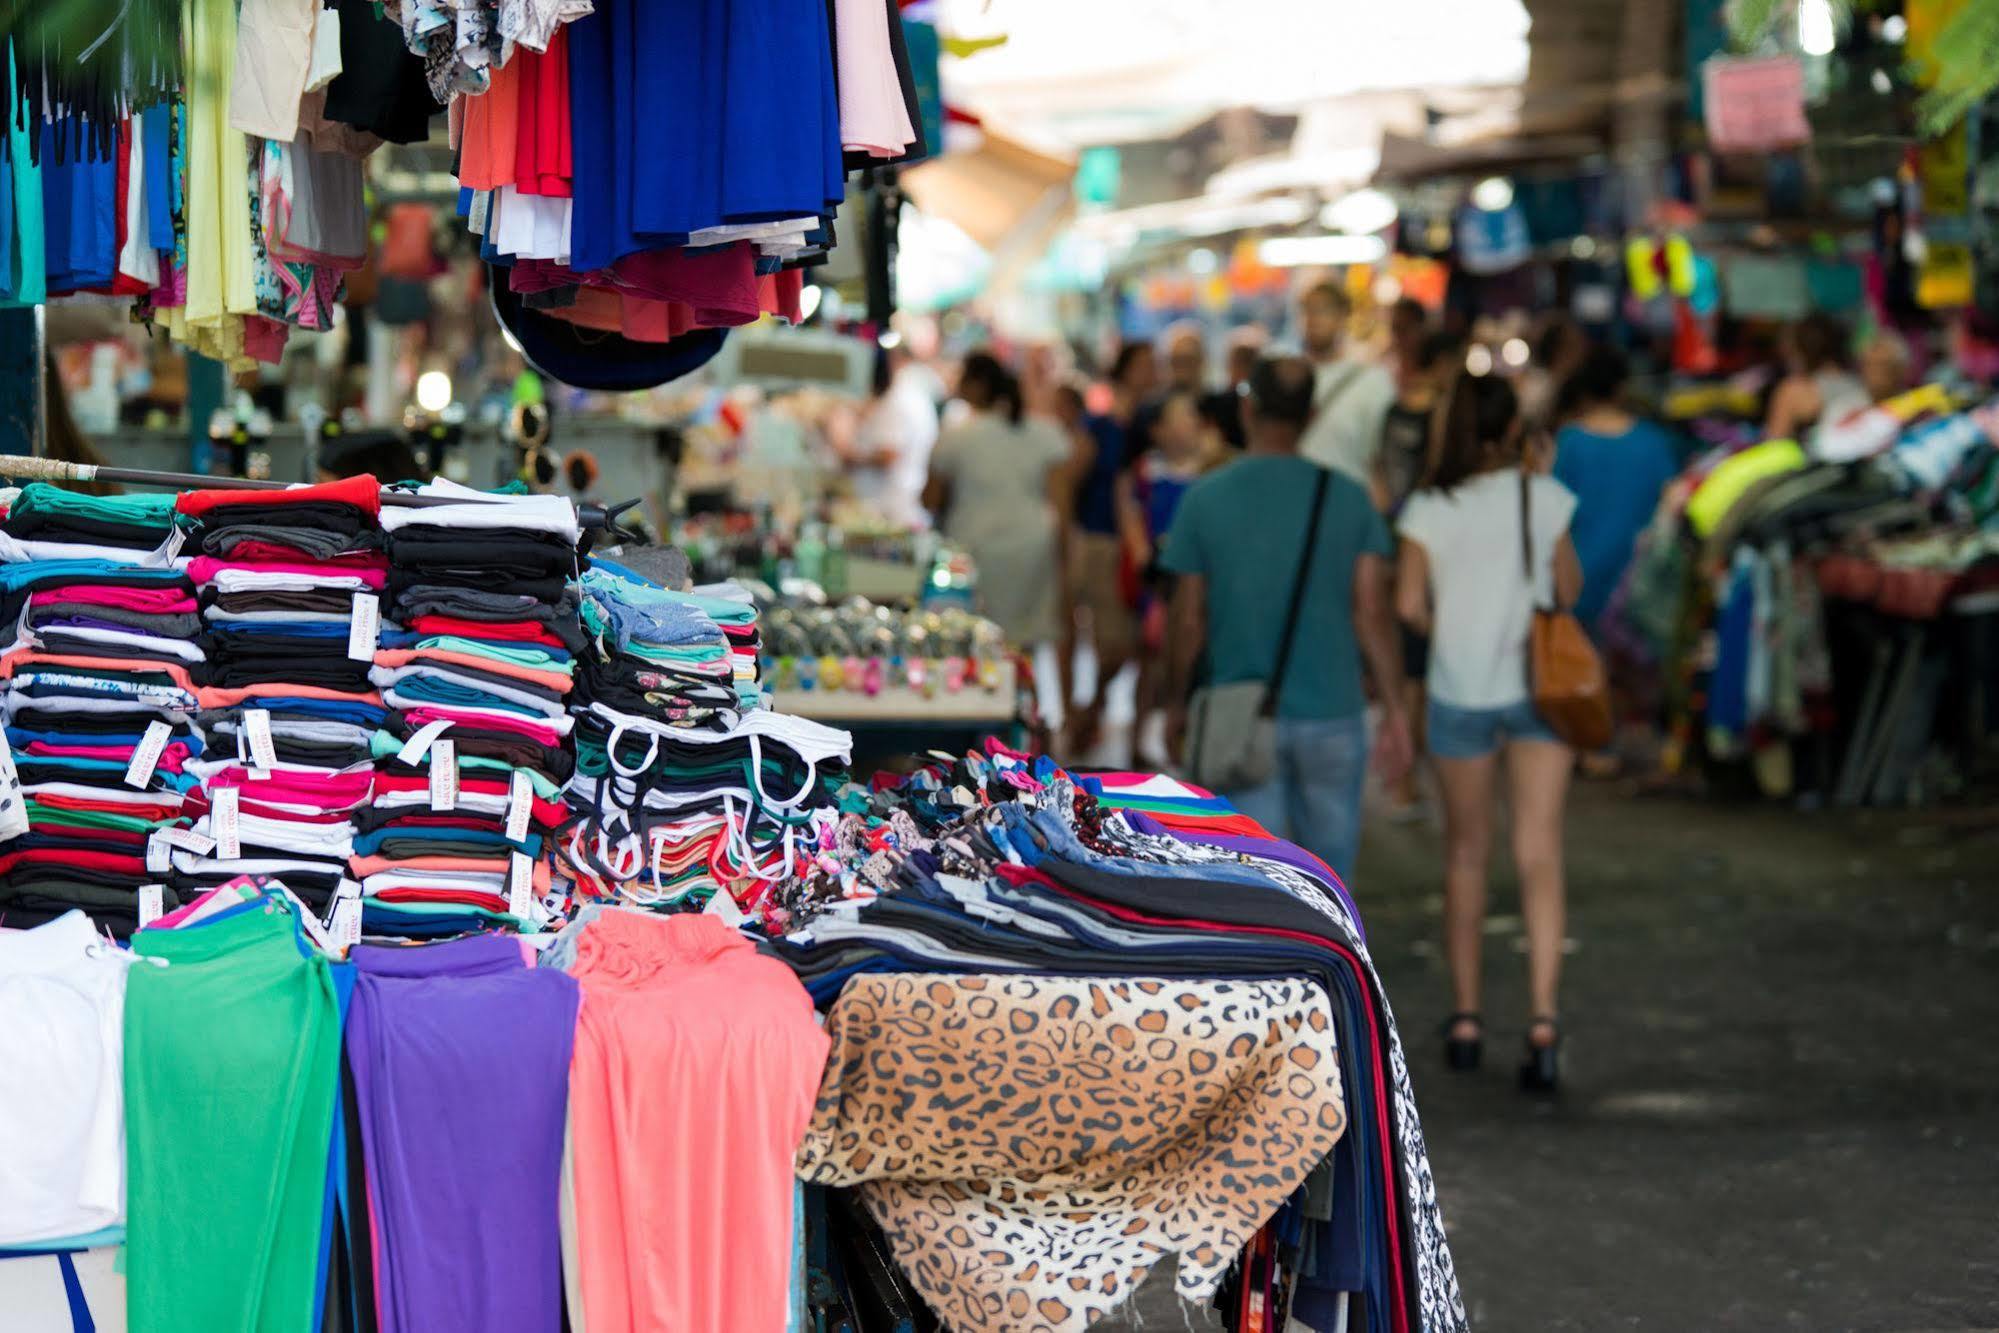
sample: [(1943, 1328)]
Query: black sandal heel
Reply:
[(1463, 1053), (1541, 1071)]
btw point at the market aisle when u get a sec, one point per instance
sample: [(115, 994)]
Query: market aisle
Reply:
[(1782, 1101)]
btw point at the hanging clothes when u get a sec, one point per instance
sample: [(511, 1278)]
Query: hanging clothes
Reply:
[(680, 1015), (225, 1238)]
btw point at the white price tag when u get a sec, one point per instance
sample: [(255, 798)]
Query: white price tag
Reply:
[(146, 757), (346, 930), (152, 904), (365, 628), (443, 775), (187, 839), (723, 904), (315, 929), (520, 885), (520, 806), (225, 804), (257, 727), (159, 857), (419, 743)]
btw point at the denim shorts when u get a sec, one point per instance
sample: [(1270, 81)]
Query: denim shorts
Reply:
[(1474, 733)]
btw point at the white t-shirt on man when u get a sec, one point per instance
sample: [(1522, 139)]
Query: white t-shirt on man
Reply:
[(1483, 606), (1350, 400)]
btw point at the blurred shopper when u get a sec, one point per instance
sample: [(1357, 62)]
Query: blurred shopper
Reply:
[(993, 482), (1558, 350), (1224, 405), (1351, 395), (1408, 326), (1617, 465), (1184, 349), (889, 458), (1399, 468), (1460, 579), (1149, 496), (1102, 576), (1403, 458), (1235, 548), (1816, 386), (1885, 365)]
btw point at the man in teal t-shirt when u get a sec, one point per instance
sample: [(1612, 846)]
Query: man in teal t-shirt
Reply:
[(1235, 545)]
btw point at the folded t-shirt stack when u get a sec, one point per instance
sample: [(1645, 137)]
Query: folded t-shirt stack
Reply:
[(689, 787), (476, 667), (280, 572), (99, 701), (290, 583)]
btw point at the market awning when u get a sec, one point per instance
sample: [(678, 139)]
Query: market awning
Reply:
[(1002, 193)]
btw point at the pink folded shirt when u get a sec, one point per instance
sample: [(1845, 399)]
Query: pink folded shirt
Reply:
[(160, 601)]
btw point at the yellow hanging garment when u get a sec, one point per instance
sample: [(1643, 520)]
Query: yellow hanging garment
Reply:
[(221, 286)]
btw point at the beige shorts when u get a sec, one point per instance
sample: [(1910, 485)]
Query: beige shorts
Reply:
[(1094, 561)]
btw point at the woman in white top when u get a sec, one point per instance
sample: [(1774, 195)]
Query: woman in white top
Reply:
[(991, 489), (1817, 388), (1461, 580)]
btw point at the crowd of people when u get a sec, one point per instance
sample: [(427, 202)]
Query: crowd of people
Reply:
[(1365, 531)]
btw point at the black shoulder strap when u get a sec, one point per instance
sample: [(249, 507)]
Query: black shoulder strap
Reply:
[(1298, 582), (1526, 529)]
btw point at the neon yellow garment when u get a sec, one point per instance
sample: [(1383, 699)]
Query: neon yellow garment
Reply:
[(1733, 477), (221, 284), (1916, 402)]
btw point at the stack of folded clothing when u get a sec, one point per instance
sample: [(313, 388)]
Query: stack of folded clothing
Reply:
[(100, 703), (693, 791), (732, 608), (290, 583), (666, 654), (476, 667), (294, 824), (285, 577)]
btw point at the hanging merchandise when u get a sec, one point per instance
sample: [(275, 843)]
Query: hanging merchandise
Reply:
[(587, 223), (1492, 241), (229, 1239), (1003, 875), (205, 158), (1754, 104), (1253, 1093), (462, 1033), (64, 996), (685, 1024), (1803, 599)]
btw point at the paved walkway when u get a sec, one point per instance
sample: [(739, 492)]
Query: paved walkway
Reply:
[(1782, 1108)]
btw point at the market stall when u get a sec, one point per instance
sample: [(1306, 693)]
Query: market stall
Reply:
[(1821, 609), (450, 813)]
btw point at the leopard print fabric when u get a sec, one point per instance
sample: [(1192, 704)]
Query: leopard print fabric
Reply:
[(1032, 1146), (1440, 1302)]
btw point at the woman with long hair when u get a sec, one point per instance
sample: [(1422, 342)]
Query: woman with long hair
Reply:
[(994, 480), (1484, 542)]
